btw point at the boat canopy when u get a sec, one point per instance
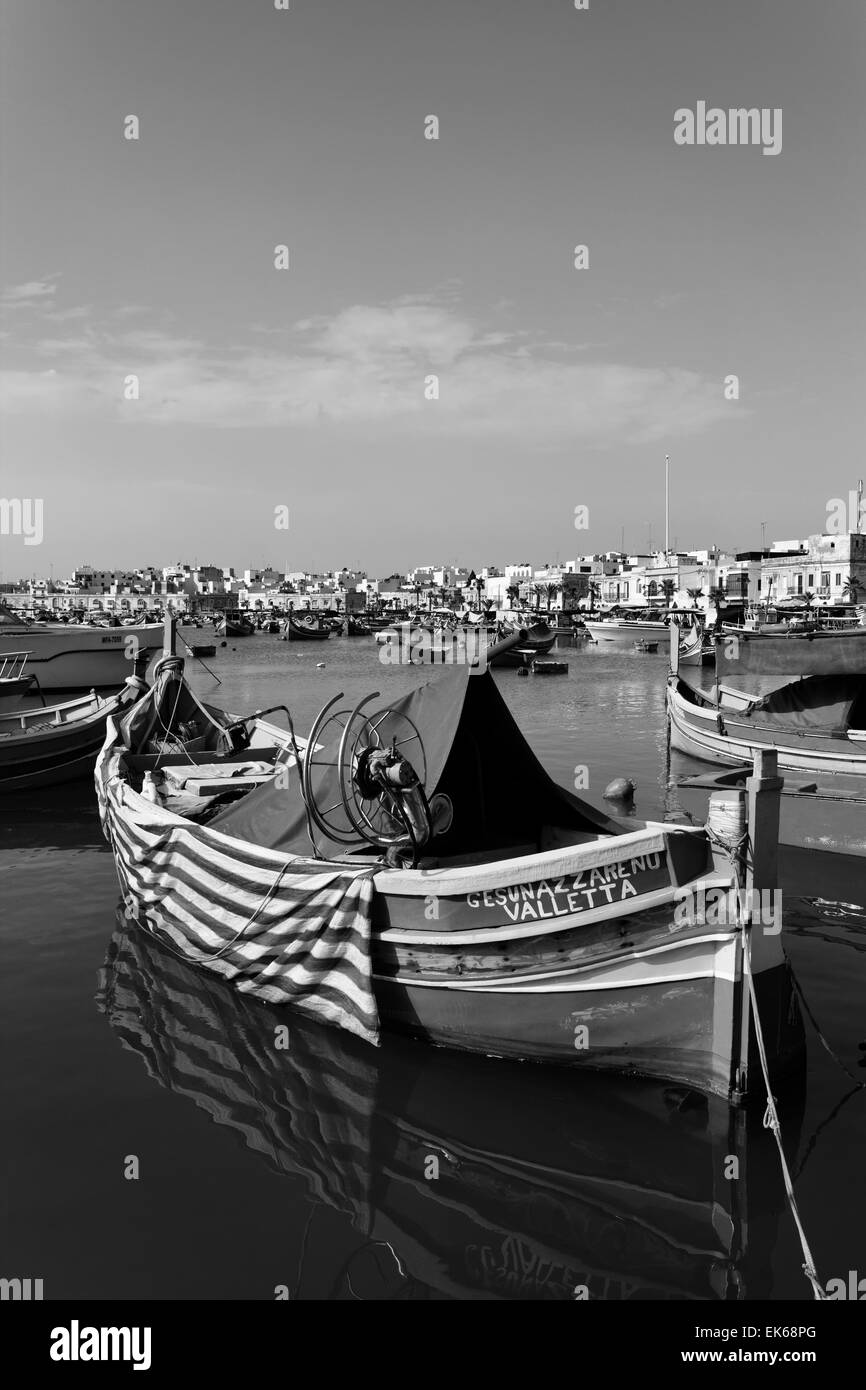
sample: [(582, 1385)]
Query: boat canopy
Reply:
[(832, 704), (475, 755)]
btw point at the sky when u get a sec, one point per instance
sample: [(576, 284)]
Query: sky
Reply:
[(409, 258)]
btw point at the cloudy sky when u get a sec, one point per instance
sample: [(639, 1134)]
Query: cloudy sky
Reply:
[(262, 388)]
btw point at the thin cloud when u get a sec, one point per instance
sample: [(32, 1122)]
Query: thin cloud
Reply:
[(31, 292), (367, 366)]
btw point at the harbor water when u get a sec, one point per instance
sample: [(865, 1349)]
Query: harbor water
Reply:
[(167, 1140)]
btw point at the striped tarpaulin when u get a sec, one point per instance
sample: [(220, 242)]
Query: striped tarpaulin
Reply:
[(288, 930)]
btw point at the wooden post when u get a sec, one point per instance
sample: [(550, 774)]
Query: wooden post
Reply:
[(764, 789), (674, 629), (169, 631), (763, 808)]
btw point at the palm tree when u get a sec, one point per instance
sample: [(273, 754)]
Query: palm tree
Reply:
[(694, 595), (852, 587), (552, 590), (669, 588), (718, 597), (538, 590), (513, 594), (593, 591), (809, 599)]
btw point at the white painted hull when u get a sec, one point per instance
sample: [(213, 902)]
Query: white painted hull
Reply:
[(624, 633), (77, 657), (695, 731)]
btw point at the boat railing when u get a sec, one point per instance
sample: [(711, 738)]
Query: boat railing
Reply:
[(12, 665)]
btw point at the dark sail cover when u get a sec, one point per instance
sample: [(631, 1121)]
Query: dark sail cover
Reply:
[(475, 755)]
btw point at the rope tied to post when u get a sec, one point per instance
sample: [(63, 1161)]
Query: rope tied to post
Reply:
[(773, 1123)]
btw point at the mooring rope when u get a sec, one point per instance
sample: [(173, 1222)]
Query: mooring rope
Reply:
[(771, 1121)]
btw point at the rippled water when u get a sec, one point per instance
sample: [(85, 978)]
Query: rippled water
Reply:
[(312, 1169)]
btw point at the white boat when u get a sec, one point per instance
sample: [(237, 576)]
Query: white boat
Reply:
[(625, 631), (77, 656)]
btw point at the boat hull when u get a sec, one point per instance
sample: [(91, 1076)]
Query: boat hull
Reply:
[(299, 632), (57, 753), (577, 956), (719, 736), (68, 657), (675, 1022), (625, 633)]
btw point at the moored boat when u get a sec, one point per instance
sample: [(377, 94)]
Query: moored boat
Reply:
[(815, 725), (623, 631), (233, 623), (47, 746), (305, 627), (77, 656), (536, 640), (429, 873)]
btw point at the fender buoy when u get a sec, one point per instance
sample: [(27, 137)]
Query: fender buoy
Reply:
[(620, 789)]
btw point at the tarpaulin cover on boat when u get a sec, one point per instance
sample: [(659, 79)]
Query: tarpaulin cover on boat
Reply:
[(831, 704), (475, 754)]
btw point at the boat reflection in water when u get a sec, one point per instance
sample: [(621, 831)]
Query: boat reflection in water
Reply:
[(550, 1186)]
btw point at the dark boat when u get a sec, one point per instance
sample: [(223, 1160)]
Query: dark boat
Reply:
[(47, 746), (233, 623), (601, 1188), (306, 627), (538, 641), (358, 627)]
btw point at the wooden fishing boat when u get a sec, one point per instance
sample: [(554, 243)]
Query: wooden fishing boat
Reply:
[(46, 746), (305, 627), (614, 1190), (201, 649), (233, 623), (358, 627), (15, 681), (534, 641), (421, 867), (816, 725), (77, 656), (696, 646)]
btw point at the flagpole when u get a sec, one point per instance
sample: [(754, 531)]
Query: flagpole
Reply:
[(667, 502)]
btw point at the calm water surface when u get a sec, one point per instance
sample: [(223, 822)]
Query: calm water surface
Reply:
[(312, 1169)]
